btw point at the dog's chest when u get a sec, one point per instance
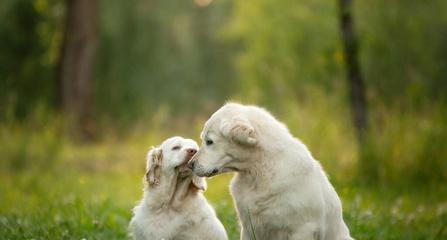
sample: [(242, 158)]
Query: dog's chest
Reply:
[(254, 200), (164, 224), (267, 210)]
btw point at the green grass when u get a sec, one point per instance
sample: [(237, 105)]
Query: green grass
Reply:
[(97, 205)]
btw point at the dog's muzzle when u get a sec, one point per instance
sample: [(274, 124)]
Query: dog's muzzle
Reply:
[(190, 164)]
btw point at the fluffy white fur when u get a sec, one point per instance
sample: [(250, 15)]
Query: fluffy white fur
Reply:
[(173, 207), (279, 189)]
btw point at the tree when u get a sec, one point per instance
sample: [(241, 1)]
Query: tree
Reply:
[(78, 51), (354, 75), (368, 169)]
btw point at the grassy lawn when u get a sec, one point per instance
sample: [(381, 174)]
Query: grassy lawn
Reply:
[(64, 204), (51, 188)]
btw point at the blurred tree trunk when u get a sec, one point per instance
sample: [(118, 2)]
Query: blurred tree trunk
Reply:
[(354, 75), (368, 169), (75, 78)]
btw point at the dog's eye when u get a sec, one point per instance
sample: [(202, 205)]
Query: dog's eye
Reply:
[(176, 148), (209, 142)]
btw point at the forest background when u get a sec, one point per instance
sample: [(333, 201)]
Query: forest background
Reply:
[(87, 86)]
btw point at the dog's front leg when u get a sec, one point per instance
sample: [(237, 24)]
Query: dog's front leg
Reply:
[(306, 232), (246, 234)]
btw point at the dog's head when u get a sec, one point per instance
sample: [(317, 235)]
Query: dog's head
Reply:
[(228, 138), (169, 159)]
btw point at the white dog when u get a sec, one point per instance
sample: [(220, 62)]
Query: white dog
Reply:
[(173, 206), (279, 189)]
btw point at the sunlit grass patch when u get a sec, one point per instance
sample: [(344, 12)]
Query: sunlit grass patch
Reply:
[(64, 205)]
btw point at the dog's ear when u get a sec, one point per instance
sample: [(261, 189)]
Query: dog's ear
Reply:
[(239, 130), (153, 166), (199, 182)]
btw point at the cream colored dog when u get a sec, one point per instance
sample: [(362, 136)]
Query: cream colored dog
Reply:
[(279, 189), (173, 206)]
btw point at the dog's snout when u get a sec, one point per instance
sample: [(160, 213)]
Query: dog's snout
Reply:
[(190, 165), (191, 151)]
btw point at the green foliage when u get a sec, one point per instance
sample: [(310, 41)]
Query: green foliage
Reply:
[(34, 144), (164, 66), (30, 35), (161, 53), (403, 50), (406, 147), (395, 213), (286, 46)]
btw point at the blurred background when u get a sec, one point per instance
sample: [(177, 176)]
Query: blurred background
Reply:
[(87, 86)]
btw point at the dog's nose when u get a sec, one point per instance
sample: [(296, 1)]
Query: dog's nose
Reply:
[(191, 151)]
